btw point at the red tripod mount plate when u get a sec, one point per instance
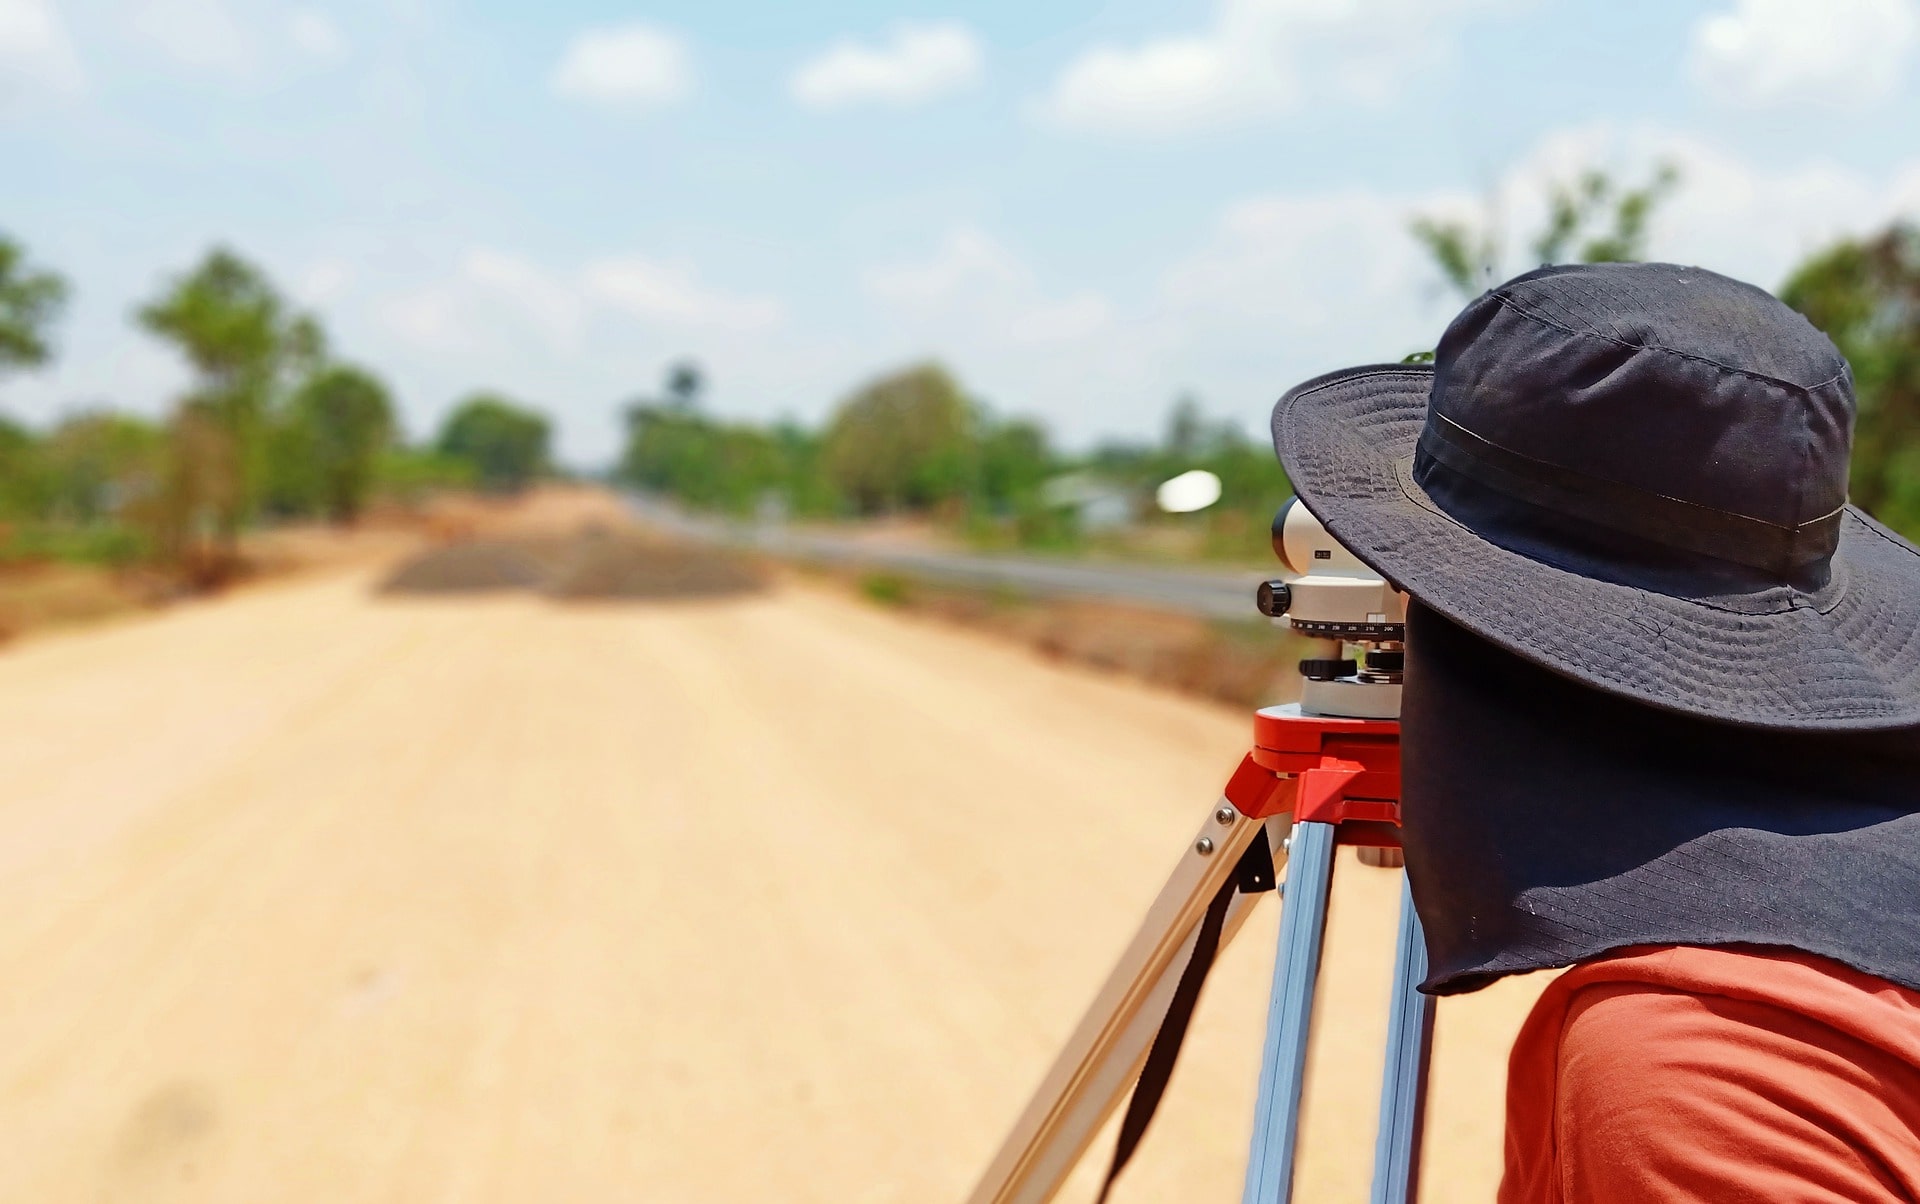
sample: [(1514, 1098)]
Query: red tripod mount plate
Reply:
[(1323, 769)]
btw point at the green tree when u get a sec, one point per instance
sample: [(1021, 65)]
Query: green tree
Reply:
[(506, 443), (675, 448), (905, 441), (103, 464), (1252, 486), (201, 487), (23, 474), (1186, 427), (1014, 461), (337, 426), (31, 301), (410, 474), (1865, 294), (686, 384), (246, 348), (710, 464), (1590, 219)]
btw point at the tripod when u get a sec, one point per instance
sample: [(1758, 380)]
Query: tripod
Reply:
[(1322, 772), (1309, 784)]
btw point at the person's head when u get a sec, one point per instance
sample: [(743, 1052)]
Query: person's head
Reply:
[(1633, 475), (1662, 682)]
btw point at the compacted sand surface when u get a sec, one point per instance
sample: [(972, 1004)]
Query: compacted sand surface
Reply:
[(321, 894)]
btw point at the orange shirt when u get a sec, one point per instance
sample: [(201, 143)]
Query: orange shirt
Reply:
[(1684, 1073)]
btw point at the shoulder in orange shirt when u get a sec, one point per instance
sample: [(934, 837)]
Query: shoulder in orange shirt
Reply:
[(1684, 1073)]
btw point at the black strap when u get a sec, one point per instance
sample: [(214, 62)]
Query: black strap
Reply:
[(1254, 874), (1669, 521)]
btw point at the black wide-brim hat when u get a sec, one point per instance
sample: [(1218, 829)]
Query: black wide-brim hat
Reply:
[(1633, 475)]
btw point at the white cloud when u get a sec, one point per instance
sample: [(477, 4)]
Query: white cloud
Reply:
[(315, 34), (497, 297), (1024, 343), (918, 63), (1166, 86), (579, 337), (1257, 58), (1073, 318), (427, 318), (1287, 286), (35, 54), (1767, 52), (1728, 214), (1303, 283), (323, 281), (493, 299), (246, 42), (971, 281), (633, 64), (965, 258), (547, 303), (653, 291), (200, 35)]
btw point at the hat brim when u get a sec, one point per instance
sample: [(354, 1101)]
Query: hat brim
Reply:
[(1851, 663)]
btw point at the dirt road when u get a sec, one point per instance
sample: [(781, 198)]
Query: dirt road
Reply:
[(309, 895)]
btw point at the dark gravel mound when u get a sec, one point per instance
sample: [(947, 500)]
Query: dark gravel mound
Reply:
[(470, 566), (595, 563), (618, 565)]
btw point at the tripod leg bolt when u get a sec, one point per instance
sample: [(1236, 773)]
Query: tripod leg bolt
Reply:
[(1225, 817), (1204, 846)]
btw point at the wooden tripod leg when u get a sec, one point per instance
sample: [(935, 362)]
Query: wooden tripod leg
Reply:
[(1104, 1055)]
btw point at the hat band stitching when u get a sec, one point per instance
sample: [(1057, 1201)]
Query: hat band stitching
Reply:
[(1773, 600), (1671, 522), (1763, 378)]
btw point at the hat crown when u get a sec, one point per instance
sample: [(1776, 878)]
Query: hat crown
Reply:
[(1672, 381)]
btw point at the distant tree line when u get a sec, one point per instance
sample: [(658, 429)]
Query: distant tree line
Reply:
[(273, 426), (914, 442)]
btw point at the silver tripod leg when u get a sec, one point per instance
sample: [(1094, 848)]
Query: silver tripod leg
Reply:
[(1283, 1065), (1403, 1087)]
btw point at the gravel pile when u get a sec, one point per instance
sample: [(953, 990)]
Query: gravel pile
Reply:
[(469, 566), (624, 565), (594, 563)]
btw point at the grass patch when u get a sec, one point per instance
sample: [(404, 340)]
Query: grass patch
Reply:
[(886, 589), (105, 544)]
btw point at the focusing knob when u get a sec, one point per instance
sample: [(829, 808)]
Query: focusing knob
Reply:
[(1273, 598), (1314, 669)]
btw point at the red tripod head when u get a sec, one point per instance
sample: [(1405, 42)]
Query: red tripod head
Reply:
[(1335, 756)]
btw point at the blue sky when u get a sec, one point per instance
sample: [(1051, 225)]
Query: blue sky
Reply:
[(1083, 208)]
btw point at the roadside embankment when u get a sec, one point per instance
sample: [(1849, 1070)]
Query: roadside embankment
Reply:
[(1247, 662)]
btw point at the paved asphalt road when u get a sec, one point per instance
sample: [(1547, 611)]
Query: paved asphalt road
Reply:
[(1209, 592)]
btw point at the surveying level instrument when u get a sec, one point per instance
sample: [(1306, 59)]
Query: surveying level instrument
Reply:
[(1323, 772)]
